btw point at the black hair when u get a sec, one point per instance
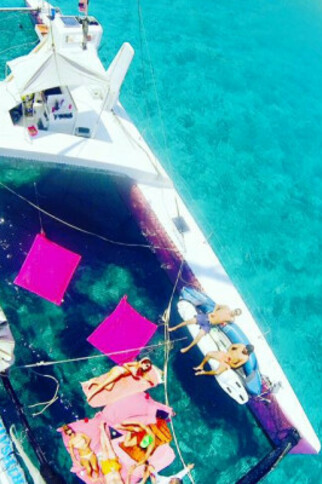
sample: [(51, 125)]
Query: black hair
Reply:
[(249, 349)]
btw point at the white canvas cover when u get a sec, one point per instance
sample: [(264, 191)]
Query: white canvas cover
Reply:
[(46, 69)]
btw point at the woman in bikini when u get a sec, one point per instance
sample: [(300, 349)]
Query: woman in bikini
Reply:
[(110, 464), (134, 369), (86, 457), (142, 436)]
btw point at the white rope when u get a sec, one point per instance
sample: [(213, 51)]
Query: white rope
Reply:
[(48, 403), (83, 358), (167, 349), (18, 45)]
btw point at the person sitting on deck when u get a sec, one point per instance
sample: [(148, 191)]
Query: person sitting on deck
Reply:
[(221, 314), (110, 464), (156, 478), (235, 357), (134, 369)]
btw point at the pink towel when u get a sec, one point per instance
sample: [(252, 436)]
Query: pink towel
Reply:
[(47, 269), (123, 330), (139, 407), (124, 387)]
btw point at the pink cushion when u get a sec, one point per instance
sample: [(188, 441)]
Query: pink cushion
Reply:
[(124, 329), (47, 269)]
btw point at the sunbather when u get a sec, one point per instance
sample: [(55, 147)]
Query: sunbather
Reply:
[(86, 457), (139, 435), (110, 464), (234, 357), (221, 314), (134, 369)]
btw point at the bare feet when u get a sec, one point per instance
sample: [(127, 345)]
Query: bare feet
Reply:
[(184, 350), (197, 368), (201, 372), (171, 329)]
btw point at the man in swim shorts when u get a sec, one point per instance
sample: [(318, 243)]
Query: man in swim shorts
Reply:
[(220, 315), (236, 356)]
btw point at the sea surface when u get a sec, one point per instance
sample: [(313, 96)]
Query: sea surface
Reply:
[(229, 96)]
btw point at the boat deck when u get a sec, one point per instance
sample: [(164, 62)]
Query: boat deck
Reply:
[(118, 153)]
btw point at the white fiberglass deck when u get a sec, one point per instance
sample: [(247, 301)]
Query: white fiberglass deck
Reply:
[(117, 153)]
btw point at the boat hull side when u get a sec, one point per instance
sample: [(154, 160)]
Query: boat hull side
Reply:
[(271, 416)]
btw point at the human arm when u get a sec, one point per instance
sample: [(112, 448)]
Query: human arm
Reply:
[(184, 472), (240, 362), (131, 367), (72, 453), (148, 452), (147, 378)]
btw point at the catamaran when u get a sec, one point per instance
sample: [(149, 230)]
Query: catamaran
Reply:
[(60, 106)]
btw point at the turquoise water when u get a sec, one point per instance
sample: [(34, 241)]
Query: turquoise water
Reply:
[(239, 87)]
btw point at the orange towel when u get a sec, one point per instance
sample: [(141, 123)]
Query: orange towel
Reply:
[(162, 436)]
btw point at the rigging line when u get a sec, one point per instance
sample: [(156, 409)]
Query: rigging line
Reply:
[(146, 104), (50, 402), (84, 231), (151, 157), (164, 132), (18, 45), (154, 80), (83, 358), (137, 143), (39, 212), (167, 349)]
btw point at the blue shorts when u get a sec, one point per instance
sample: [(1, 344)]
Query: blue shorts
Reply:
[(203, 321)]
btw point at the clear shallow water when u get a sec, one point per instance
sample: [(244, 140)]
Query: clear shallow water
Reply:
[(240, 95)]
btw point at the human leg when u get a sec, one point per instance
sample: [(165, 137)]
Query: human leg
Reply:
[(94, 465), (87, 466), (199, 336), (106, 443), (210, 355), (182, 325), (108, 384)]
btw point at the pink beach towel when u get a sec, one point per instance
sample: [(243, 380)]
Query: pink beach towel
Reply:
[(47, 269), (126, 386), (140, 407), (137, 407), (124, 329)]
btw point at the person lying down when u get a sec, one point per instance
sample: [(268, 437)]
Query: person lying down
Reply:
[(134, 369)]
